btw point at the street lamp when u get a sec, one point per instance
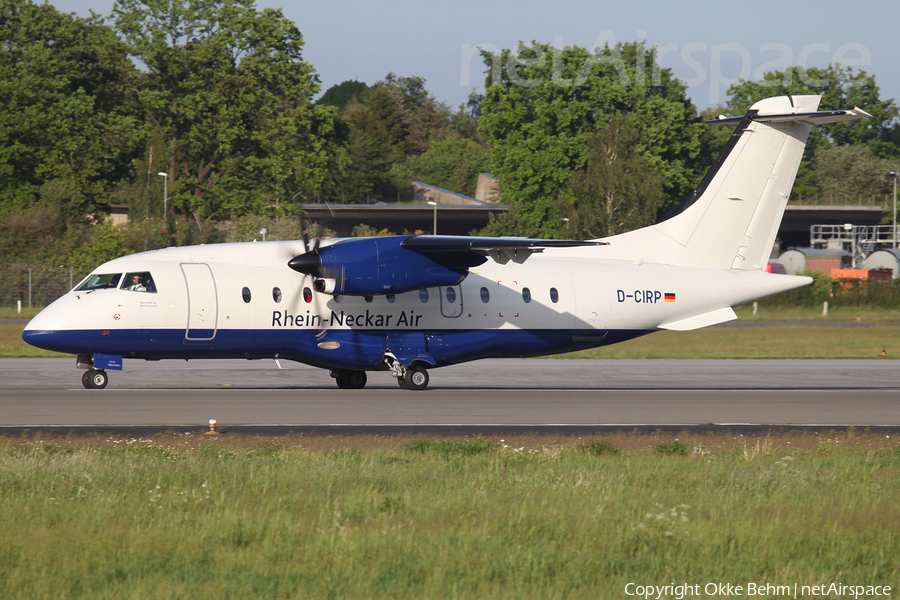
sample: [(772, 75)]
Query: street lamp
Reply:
[(165, 193), (895, 174), (434, 204)]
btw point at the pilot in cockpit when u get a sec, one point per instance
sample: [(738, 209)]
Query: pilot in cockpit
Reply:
[(136, 284)]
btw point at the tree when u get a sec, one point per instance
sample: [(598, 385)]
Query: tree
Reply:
[(67, 133), (541, 106), (839, 88), (342, 94), (229, 88), (452, 163), (616, 191), (852, 171), (373, 147)]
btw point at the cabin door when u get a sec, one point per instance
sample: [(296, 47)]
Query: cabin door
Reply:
[(202, 302)]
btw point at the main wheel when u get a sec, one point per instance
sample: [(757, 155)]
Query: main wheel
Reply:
[(352, 380), (95, 379), (416, 378), (401, 381)]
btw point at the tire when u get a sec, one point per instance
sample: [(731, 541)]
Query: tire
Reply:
[(95, 379), (357, 379), (416, 378), (351, 380), (401, 381)]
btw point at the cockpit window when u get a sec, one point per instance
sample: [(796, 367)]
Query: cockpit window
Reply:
[(99, 281), (140, 281)]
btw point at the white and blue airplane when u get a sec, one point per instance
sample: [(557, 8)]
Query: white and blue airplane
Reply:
[(407, 304)]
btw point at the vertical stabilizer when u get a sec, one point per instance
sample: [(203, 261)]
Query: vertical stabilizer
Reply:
[(731, 219)]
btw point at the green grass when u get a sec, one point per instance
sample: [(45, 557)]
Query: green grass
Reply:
[(12, 313), (12, 345), (794, 313), (374, 517), (757, 342)]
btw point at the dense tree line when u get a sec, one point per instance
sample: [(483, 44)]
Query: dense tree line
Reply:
[(212, 101)]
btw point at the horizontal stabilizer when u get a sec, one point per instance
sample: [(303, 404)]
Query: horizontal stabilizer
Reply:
[(703, 320), (820, 117)]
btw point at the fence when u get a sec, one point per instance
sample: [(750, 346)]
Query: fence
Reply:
[(36, 286), (841, 200)]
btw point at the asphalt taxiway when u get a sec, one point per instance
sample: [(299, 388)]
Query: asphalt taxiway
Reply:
[(520, 393)]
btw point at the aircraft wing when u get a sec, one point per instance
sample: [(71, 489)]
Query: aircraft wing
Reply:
[(500, 249)]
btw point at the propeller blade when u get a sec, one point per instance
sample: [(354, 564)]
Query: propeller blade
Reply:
[(304, 233)]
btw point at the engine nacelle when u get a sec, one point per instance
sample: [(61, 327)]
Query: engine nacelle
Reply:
[(375, 266)]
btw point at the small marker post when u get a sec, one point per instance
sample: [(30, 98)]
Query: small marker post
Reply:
[(212, 428)]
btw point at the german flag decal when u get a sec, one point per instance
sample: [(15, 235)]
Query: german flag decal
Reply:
[(670, 297)]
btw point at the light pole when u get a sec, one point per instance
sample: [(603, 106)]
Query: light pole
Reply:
[(165, 177), (434, 204), (895, 174)]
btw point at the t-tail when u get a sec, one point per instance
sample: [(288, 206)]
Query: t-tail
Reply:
[(731, 219)]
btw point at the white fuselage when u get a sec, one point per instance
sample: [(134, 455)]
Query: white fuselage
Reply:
[(241, 300)]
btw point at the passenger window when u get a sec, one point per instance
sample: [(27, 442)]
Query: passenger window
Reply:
[(245, 294), (338, 298), (368, 299), (307, 295), (97, 281), (451, 295), (276, 294), (139, 282), (391, 298), (526, 295), (554, 295), (485, 295), (423, 295)]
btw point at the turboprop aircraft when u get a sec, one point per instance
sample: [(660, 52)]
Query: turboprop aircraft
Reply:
[(408, 304)]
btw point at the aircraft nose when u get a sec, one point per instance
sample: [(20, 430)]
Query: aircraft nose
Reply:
[(41, 330)]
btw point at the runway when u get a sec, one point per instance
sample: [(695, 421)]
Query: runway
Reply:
[(524, 394)]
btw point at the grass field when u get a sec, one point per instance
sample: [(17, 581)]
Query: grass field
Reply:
[(190, 516), (796, 341)]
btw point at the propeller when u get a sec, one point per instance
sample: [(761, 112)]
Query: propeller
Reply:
[(309, 263)]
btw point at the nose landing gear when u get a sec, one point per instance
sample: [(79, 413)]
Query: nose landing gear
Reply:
[(416, 379), (94, 379)]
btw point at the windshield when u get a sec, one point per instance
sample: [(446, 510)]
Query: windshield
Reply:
[(99, 281)]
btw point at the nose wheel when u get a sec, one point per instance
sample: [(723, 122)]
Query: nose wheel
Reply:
[(416, 379), (94, 379)]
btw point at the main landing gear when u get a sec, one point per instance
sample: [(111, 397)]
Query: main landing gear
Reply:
[(350, 380), (94, 379), (409, 378)]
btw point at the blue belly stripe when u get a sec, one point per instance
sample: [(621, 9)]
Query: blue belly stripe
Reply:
[(362, 350)]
